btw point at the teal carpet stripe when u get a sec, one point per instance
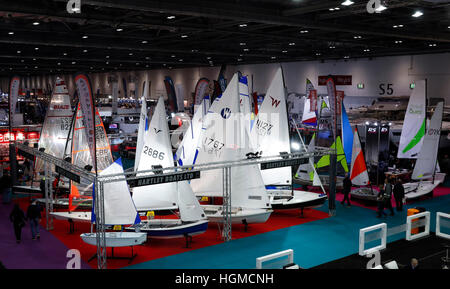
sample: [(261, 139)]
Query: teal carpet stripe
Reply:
[(314, 243)]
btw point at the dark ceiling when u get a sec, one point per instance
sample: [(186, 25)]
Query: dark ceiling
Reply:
[(141, 34)]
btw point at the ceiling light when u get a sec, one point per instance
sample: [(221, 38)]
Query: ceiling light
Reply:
[(107, 62), (184, 36), (347, 3), (18, 51), (273, 57), (432, 44), (239, 59), (147, 57), (119, 29), (144, 41), (22, 60), (242, 43), (284, 51), (246, 49), (209, 57), (366, 50), (12, 33), (84, 36), (131, 53), (35, 23), (398, 41), (347, 57), (65, 53), (318, 54), (34, 59), (171, 17), (137, 63), (243, 25), (35, 67), (73, 62), (304, 31), (180, 60), (107, 56), (59, 63), (331, 9), (357, 37), (417, 14), (332, 47), (172, 56), (292, 44), (85, 51), (36, 48), (337, 8)]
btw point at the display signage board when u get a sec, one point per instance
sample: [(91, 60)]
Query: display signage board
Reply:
[(67, 174), (283, 163), (161, 179), (338, 79)]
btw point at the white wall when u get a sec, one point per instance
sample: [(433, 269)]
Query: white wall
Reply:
[(400, 71)]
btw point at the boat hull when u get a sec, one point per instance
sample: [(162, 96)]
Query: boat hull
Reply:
[(300, 200), (168, 229), (116, 239), (238, 215), (84, 217), (63, 203), (364, 194)]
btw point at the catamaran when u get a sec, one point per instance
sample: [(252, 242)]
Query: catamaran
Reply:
[(157, 153), (225, 138), (119, 210), (270, 135)]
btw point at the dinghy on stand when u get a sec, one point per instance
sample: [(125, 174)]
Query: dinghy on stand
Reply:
[(157, 154), (225, 138), (425, 168), (119, 210), (270, 136)]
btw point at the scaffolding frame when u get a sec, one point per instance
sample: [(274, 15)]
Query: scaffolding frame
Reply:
[(99, 181)]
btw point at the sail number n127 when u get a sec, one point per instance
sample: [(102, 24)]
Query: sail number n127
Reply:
[(153, 153)]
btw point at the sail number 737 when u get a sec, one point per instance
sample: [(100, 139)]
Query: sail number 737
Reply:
[(153, 153)]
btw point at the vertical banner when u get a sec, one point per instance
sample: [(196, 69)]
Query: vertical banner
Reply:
[(313, 99), (339, 99), (371, 147), (331, 89), (383, 149), (115, 93), (87, 104), (171, 95), (179, 88), (200, 90), (13, 97)]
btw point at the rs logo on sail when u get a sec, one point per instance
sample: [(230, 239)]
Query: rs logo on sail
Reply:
[(275, 102)]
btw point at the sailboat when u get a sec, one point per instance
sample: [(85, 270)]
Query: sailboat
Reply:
[(157, 153), (81, 157), (425, 168), (119, 210), (275, 140), (358, 172), (54, 133), (225, 138)]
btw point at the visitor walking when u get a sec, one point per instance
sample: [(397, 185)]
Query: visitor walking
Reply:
[(17, 217), (347, 186), (399, 194), (6, 183), (34, 216), (388, 194), (381, 201)]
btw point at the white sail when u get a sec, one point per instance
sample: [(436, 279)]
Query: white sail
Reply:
[(426, 162), (414, 124), (58, 120), (187, 151), (141, 130), (270, 132), (156, 151), (119, 207), (221, 141), (308, 117), (188, 204), (358, 171), (244, 102)]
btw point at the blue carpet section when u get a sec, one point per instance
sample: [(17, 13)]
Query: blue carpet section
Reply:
[(313, 243)]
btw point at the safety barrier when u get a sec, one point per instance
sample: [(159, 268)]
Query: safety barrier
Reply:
[(413, 222), (289, 253), (439, 233), (362, 239), (409, 221)]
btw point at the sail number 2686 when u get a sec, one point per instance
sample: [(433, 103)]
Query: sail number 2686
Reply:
[(153, 153)]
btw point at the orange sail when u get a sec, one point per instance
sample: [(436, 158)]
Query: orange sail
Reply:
[(358, 172)]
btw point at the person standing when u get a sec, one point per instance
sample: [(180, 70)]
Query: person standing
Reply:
[(6, 183), (381, 201), (34, 216), (399, 194), (17, 217), (347, 186), (388, 194)]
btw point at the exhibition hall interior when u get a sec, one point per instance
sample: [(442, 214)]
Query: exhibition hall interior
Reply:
[(259, 134)]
